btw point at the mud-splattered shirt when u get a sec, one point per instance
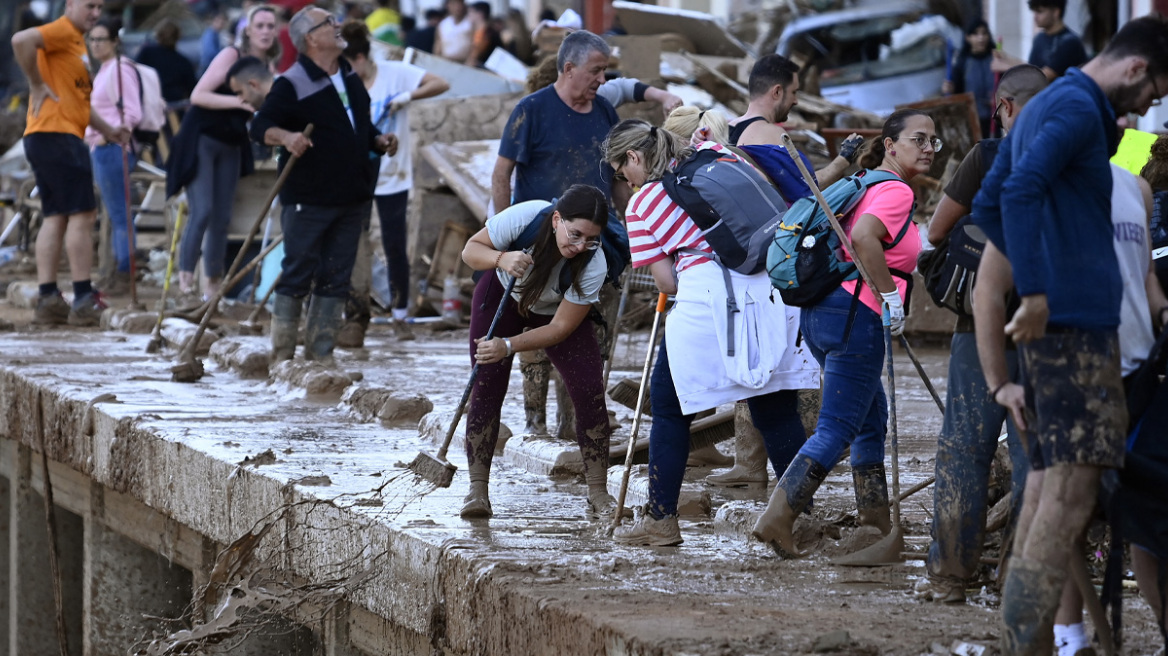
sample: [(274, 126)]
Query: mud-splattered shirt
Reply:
[(555, 146)]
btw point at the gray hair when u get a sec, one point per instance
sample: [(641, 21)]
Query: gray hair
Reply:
[(577, 46), (298, 28)]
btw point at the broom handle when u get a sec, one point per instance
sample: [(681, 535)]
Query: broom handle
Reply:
[(620, 310), (894, 442), (662, 299), (474, 372)]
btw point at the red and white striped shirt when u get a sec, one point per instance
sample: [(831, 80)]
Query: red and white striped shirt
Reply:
[(658, 228)]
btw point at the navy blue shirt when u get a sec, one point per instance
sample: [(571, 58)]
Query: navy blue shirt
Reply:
[(555, 147), (1046, 203), (1057, 52)]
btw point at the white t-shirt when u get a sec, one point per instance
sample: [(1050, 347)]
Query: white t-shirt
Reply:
[(506, 226), (338, 81), (1129, 222), (394, 77), (456, 38)]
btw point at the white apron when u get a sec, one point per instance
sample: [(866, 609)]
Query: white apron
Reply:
[(765, 357)]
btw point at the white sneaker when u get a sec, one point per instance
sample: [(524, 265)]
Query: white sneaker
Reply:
[(649, 532)]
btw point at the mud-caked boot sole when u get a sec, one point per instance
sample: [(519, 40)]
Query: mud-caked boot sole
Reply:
[(603, 507), (739, 477), (476, 505)]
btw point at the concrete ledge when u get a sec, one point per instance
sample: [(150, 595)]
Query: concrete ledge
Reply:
[(694, 501), (246, 358)]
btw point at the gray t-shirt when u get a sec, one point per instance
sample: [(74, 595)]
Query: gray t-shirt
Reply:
[(506, 226)]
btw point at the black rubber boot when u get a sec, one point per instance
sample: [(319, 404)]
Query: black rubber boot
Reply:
[(791, 497), (320, 333), (872, 496), (1030, 599), (285, 322)]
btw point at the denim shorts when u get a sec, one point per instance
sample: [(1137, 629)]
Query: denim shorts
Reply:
[(64, 172), (1074, 397)]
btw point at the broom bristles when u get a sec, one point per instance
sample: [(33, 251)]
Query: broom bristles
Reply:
[(430, 468)]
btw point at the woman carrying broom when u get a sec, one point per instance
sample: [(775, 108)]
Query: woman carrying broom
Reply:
[(696, 373), (846, 335), (552, 304)]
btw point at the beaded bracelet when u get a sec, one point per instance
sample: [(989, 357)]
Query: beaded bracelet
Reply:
[(498, 258)]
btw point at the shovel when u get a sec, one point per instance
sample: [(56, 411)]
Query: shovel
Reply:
[(889, 548)]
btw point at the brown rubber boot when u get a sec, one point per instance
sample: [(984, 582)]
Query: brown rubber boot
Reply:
[(285, 321), (535, 389), (1030, 599), (320, 331), (477, 503), (750, 456), (872, 496), (791, 497)]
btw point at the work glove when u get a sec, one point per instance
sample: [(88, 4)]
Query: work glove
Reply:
[(850, 147), (398, 102), (893, 314)]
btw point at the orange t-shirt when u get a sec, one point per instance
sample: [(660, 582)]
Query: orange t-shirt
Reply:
[(63, 66)]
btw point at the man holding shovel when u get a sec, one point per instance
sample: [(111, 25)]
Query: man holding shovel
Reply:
[(1047, 204), (328, 195), (54, 59)]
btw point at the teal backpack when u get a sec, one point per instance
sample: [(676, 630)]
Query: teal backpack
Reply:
[(805, 257)]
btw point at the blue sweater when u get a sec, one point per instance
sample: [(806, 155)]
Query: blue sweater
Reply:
[(1047, 203)]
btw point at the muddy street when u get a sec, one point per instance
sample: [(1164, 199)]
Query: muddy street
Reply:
[(540, 576)]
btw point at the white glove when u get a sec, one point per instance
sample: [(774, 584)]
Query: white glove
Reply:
[(398, 102), (893, 314)]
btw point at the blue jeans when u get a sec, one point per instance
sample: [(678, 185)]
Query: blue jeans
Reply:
[(211, 195), (848, 342), (107, 169), (965, 453), (776, 415)]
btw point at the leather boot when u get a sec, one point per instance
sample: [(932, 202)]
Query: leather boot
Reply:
[(535, 389), (791, 497), (1030, 599), (320, 331), (285, 321), (872, 496), (750, 456)]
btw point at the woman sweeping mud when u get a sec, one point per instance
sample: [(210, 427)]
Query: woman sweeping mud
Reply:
[(556, 285)]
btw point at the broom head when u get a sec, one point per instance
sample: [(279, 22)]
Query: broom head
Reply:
[(437, 471)]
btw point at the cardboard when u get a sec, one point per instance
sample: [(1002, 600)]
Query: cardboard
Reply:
[(464, 80), (709, 37)]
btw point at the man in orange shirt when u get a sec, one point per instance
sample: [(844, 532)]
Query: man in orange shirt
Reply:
[(55, 60)]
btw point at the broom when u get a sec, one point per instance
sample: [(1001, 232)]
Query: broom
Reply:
[(156, 338), (437, 469)]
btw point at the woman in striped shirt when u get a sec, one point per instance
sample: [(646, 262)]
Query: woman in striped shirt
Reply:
[(694, 373)]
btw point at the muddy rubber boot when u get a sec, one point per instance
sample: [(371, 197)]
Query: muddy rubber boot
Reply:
[(320, 330), (1030, 598), (708, 456), (351, 335), (477, 503), (565, 413), (872, 496), (791, 497), (535, 389), (601, 504), (750, 456), (285, 322)]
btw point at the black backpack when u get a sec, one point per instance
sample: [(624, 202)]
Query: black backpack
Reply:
[(950, 270)]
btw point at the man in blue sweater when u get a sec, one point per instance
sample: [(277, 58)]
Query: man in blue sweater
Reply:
[(1046, 203)]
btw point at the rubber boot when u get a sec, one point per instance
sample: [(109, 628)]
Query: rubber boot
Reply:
[(535, 389), (791, 497), (1030, 599), (750, 456), (285, 322), (565, 412), (320, 331), (601, 504), (477, 503), (872, 496)]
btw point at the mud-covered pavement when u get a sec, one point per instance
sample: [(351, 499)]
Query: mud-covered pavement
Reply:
[(540, 577)]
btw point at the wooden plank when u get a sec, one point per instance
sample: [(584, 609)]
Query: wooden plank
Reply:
[(456, 165), (447, 258)]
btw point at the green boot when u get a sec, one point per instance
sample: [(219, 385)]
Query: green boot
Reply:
[(791, 496), (285, 322), (320, 333), (1030, 599)]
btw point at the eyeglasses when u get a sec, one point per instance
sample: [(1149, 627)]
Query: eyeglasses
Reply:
[(98, 39), (998, 109), (1156, 95), (577, 239), (331, 20), (921, 142)]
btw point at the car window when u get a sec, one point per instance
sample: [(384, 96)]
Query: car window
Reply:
[(857, 51)]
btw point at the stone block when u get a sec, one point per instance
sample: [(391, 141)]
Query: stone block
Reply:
[(247, 358), (394, 410), (23, 294), (131, 322), (541, 454), (178, 332), (694, 501), (313, 377)]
